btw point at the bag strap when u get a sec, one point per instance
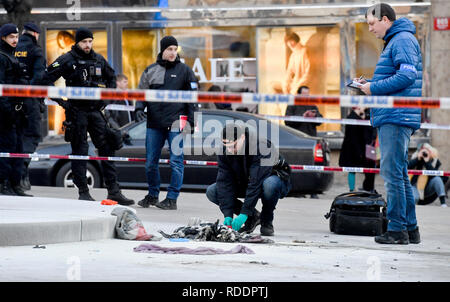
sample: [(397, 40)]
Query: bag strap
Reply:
[(359, 194)]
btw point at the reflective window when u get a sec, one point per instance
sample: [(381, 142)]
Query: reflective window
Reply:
[(290, 57), (139, 50), (223, 58)]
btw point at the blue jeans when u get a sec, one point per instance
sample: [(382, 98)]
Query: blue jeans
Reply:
[(401, 208), (154, 143), (434, 185), (273, 190)]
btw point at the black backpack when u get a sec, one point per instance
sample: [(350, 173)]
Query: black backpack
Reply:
[(358, 213)]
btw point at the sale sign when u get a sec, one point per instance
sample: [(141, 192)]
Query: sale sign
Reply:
[(441, 23)]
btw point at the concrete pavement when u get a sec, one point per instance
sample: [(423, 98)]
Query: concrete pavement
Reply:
[(304, 249)]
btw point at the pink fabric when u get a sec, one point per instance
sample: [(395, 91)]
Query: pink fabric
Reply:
[(153, 248)]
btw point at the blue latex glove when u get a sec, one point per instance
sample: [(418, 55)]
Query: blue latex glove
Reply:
[(227, 221), (238, 221)]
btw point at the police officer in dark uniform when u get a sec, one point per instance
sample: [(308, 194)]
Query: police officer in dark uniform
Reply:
[(30, 53), (12, 113), (82, 67)]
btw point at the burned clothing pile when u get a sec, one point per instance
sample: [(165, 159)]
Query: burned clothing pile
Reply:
[(208, 231)]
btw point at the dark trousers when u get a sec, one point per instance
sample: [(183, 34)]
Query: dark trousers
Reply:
[(30, 144), (94, 123), (11, 142), (273, 189)]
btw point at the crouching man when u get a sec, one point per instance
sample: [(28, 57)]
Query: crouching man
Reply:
[(246, 172)]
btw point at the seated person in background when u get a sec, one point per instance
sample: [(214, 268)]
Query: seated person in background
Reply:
[(427, 188)]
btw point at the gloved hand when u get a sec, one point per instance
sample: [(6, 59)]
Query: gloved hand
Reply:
[(227, 221), (238, 221), (140, 115)]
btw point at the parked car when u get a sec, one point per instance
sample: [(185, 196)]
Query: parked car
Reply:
[(297, 148)]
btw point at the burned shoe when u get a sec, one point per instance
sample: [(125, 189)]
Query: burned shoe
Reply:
[(148, 201), (267, 229), (120, 198), (167, 204), (414, 236), (391, 237), (251, 223)]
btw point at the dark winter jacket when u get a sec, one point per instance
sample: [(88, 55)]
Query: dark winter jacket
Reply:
[(308, 128), (30, 53), (353, 149), (165, 75), (11, 72), (398, 73), (243, 175), (82, 70), (419, 164)]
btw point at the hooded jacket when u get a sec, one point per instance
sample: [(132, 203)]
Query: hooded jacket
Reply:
[(398, 73), (165, 75)]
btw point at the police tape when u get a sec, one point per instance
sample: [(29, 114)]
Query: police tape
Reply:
[(212, 163), (321, 120), (318, 120), (183, 96)]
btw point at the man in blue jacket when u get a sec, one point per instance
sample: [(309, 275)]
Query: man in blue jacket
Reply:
[(397, 73)]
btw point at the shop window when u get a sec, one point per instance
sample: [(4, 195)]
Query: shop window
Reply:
[(58, 43), (139, 50), (313, 61), (223, 58)]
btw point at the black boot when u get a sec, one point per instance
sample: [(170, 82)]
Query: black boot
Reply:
[(148, 201), (251, 223), (5, 189), (391, 237), (414, 236), (267, 229), (20, 192), (84, 195), (167, 204), (25, 183), (115, 194)]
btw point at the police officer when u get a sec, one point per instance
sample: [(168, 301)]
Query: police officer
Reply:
[(83, 67), (12, 113), (30, 53)]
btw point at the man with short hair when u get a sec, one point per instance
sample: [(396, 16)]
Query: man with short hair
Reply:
[(83, 67), (30, 53), (12, 113), (398, 73), (244, 171), (119, 118), (165, 121)]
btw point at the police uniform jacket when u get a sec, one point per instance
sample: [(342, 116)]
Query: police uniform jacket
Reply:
[(11, 72), (82, 70)]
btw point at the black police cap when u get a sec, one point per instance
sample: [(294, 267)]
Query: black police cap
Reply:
[(32, 27)]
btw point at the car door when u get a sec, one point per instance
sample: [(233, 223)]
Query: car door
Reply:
[(132, 174)]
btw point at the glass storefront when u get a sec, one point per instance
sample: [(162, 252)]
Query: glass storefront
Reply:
[(291, 57)]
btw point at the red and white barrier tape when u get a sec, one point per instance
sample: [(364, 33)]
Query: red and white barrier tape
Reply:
[(321, 120), (211, 163), (84, 93), (318, 120)]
